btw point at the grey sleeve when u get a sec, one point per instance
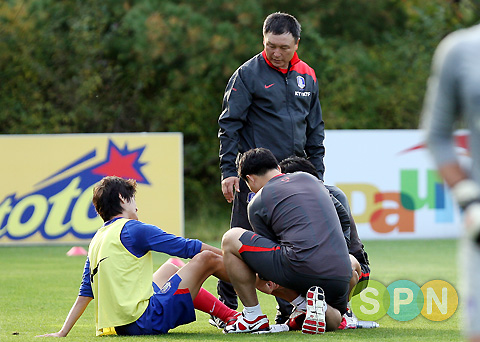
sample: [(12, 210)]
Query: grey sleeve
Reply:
[(258, 217), (441, 104), (344, 219)]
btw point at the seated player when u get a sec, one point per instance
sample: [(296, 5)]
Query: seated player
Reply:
[(118, 272), (297, 242)]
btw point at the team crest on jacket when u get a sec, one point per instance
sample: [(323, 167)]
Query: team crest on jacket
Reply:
[(300, 82)]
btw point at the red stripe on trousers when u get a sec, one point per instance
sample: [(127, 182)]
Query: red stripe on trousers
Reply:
[(246, 248), (363, 275)]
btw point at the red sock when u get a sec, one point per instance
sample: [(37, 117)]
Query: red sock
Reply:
[(207, 302)]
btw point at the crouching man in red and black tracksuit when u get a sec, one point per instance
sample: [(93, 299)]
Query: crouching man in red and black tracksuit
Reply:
[(297, 243)]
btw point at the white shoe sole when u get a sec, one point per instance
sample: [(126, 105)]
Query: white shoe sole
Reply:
[(315, 319)]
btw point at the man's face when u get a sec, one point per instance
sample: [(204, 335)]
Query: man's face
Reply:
[(251, 184), (255, 183), (280, 48)]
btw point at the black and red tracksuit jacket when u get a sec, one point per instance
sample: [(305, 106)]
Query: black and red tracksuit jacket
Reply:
[(264, 106)]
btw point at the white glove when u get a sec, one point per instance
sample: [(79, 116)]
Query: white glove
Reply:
[(472, 221), (466, 192)]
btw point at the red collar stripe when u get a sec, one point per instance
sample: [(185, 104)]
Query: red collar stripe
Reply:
[(296, 64)]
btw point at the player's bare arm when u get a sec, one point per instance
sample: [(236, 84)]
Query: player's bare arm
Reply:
[(75, 313)]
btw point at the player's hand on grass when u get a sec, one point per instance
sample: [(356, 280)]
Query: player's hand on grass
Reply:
[(228, 185), (57, 334)]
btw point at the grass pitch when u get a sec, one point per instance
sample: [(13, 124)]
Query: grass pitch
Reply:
[(38, 285)]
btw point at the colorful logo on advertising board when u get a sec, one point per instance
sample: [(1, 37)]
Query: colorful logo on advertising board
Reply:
[(60, 204), (418, 193), (380, 206)]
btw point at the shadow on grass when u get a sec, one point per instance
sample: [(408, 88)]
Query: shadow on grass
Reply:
[(380, 334)]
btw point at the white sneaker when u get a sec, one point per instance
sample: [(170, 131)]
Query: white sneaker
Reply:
[(315, 319), (296, 319), (351, 319), (239, 324), (216, 322), (274, 328)]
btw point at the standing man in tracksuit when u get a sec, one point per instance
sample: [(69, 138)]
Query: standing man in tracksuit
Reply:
[(270, 101)]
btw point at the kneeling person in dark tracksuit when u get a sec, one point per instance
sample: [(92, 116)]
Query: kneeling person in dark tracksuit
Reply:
[(358, 256), (355, 245)]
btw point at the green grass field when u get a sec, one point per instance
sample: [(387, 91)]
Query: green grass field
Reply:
[(38, 285)]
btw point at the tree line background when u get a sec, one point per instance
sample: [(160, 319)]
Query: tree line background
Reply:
[(88, 66)]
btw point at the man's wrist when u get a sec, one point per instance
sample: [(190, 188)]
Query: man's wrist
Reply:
[(228, 176)]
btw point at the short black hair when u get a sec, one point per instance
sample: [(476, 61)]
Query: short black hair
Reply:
[(280, 23), (295, 163), (257, 161), (105, 195)]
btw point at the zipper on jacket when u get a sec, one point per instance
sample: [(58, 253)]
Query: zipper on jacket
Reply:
[(288, 71), (292, 146)]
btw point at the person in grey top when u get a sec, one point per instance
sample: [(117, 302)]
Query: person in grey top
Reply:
[(304, 223), (355, 246), (297, 240), (453, 98)]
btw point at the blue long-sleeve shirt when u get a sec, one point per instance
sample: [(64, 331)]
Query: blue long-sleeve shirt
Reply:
[(139, 238)]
